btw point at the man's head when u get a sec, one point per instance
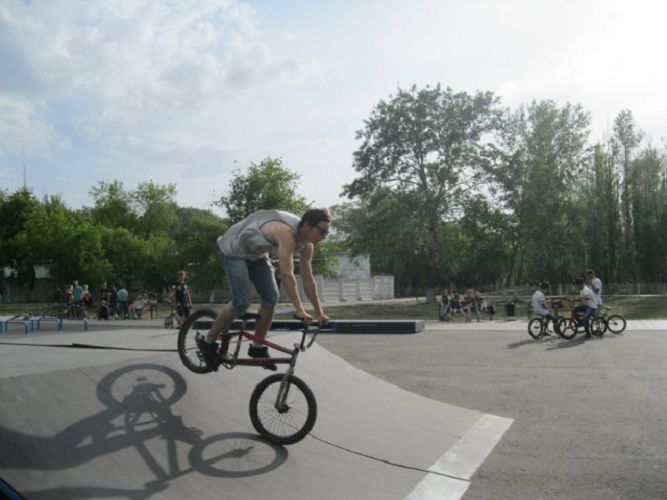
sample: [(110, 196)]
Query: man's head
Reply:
[(314, 224), (590, 274), (579, 282), (180, 275), (544, 286)]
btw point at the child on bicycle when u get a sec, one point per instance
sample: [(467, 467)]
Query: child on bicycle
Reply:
[(245, 258), (541, 305)]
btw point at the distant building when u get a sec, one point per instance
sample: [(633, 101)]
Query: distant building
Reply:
[(353, 267)]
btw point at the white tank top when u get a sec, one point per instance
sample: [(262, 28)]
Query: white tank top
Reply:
[(246, 240)]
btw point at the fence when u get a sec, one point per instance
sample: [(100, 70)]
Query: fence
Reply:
[(332, 290)]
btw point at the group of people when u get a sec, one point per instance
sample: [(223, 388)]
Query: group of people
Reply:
[(589, 300), (116, 303), (77, 300), (469, 304)]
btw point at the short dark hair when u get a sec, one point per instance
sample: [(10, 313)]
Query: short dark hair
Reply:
[(578, 281), (544, 284), (314, 216)]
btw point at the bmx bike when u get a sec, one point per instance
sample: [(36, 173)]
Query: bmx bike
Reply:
[(282, 407), (573, 324)]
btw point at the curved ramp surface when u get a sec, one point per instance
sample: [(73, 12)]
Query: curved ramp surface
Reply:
[(146, 427)]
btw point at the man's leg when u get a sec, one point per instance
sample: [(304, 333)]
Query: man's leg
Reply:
[(587, 320), (264, 323), (241, 288), (221, 323), (263, 276)]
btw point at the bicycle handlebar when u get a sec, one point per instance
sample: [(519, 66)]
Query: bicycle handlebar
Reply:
[(316, 327)]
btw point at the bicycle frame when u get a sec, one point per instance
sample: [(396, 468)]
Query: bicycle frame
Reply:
[(234, 359)]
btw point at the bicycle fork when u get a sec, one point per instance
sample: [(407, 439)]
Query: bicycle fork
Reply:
[(281, 399)]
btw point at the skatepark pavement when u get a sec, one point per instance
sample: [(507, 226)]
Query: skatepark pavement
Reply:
[(112, 413)]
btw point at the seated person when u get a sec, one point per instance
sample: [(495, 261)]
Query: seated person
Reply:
[(540, 304), (103, 310), (467, 305), (138, 306), (445, 309), (456, 304)]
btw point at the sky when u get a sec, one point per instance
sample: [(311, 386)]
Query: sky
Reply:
[(192, 92)]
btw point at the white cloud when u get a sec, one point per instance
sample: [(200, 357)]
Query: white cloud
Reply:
[(179, 91), (23, 132)]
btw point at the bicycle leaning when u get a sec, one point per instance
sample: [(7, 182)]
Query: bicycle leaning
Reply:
[(282, 406)]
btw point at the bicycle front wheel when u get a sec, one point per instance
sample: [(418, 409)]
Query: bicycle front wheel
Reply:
[(283, 423), (535, 328), (597, 326), (616, 323), (198, 324)]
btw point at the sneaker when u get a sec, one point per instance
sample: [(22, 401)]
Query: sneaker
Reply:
[(261, 351), (210, 353)]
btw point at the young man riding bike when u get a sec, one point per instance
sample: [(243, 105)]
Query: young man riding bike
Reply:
[(244, 255)]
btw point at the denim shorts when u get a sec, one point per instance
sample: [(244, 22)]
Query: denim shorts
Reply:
[(245, 274)]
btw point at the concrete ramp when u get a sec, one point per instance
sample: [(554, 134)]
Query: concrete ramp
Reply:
[(148, 428)]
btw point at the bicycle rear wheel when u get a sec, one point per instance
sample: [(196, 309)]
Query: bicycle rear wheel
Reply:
[(535, 328), (616, 323), (287, 424), (198, 324)]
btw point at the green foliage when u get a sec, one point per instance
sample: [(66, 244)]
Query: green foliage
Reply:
[(196, 249), (423, 152), (267, 185)]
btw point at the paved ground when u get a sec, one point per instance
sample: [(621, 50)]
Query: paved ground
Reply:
[(589, 417), (84, 422)]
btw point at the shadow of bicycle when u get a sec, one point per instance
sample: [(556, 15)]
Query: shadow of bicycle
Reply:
[(139, 416)]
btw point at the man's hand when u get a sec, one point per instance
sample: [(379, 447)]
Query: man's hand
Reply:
[(304, 316), (323, 318)]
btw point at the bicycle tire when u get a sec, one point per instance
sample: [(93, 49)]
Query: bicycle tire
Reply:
[(596, 326), (197, 324), (616, 323), (283, 427), (535, 328), (566, 329)]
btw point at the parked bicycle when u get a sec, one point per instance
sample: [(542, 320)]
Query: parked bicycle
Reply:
[(282, 407)]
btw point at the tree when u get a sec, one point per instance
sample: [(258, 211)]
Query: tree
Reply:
[(197, 252), (155, 207), (113, 205), (544, 152), (626, 138), (16, 209), (267, 185), (68, 244), (426, 148)]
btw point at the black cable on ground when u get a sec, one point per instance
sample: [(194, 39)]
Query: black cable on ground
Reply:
[(384, 461), (89, 346)]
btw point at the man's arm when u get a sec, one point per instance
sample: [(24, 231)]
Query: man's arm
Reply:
[(286, 245), (309, 285)]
